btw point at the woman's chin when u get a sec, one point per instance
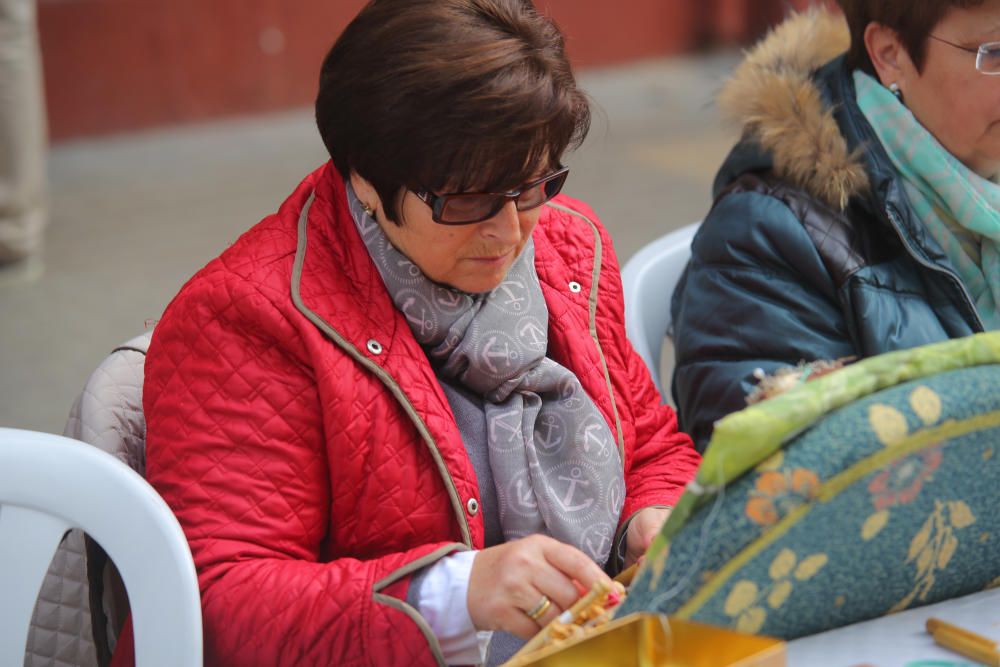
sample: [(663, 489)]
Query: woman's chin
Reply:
[(479, 283), (988, 169), (484, 276), (478, 286)]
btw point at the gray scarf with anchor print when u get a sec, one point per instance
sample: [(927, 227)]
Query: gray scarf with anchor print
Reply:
[(554, 461)]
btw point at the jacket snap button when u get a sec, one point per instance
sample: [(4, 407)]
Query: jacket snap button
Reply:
[(574, 287), (472, 506), (374, 347)]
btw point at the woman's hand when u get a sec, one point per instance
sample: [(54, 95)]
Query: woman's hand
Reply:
[(509, 580), (641, 531)]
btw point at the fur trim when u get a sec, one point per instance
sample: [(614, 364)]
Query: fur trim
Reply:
[(772, 94)]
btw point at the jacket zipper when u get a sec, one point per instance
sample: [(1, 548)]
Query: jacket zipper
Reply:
[(892, 214), (895, 220)]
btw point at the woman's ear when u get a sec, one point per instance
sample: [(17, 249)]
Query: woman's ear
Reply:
[(887, 54), (365, 192)]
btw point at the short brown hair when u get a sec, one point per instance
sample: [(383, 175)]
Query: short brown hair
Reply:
[(912, 20), (448, 95)]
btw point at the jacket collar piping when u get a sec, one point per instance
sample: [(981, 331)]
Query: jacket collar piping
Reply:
[(394, 388), (592, 321), (409, 610)]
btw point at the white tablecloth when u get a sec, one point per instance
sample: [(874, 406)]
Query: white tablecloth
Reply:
[(899, 640)]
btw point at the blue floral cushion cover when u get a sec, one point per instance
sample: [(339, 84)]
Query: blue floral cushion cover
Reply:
[(886, 503)]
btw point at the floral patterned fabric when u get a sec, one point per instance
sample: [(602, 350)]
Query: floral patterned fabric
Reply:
[(886, 503)]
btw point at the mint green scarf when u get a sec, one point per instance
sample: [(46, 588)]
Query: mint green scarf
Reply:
[(960, 209)]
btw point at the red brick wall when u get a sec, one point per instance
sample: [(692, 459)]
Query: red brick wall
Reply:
[(114, 65), (603, 32), (118, 65)]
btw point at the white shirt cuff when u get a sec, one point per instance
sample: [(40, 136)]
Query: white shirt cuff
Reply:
[(443, 602)]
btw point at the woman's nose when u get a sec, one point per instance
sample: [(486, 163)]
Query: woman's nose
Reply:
[(505, 226)]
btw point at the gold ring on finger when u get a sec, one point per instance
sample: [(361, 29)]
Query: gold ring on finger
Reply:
[(539, 609)]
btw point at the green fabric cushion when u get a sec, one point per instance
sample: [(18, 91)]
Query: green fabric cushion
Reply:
[(885, 503)]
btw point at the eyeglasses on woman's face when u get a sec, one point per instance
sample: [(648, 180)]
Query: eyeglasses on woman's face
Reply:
[(987, 55), (466, 208)]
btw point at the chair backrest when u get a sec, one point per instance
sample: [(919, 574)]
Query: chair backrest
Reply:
[(50, 484), (82, 603), (649, 279)]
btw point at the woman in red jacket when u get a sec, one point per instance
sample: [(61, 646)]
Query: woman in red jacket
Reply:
[(401, 414)]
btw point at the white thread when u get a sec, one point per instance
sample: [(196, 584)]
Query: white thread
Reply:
[(697, 489), (699, 553)]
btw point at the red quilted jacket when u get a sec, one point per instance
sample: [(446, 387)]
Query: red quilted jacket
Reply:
[(299, 433)]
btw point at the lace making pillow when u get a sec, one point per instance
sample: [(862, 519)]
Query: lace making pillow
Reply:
[(885, 499)]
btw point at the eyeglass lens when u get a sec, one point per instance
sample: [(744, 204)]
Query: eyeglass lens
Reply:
[(988, 59), (462, 208)]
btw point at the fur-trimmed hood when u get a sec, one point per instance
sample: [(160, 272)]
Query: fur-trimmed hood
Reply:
[(773, 96)]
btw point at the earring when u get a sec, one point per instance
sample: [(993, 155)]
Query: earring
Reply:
[(369, 211), (894, 89)]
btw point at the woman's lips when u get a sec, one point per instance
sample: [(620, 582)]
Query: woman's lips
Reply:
[(492, 259)]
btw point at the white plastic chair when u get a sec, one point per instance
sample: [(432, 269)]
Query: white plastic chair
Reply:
[(649, 279), (50, 484), (82, 603)]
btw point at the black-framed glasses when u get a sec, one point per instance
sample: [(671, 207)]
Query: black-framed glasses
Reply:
[(466, 208), (987, 55)]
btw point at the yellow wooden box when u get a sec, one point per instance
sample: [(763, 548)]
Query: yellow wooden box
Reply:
[(653, 640)]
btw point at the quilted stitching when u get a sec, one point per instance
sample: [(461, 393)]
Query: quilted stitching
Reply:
[(299, 479), (108, 415), (60, 627)]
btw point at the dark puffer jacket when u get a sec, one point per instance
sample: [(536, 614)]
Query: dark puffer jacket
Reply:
[(811, 250)]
